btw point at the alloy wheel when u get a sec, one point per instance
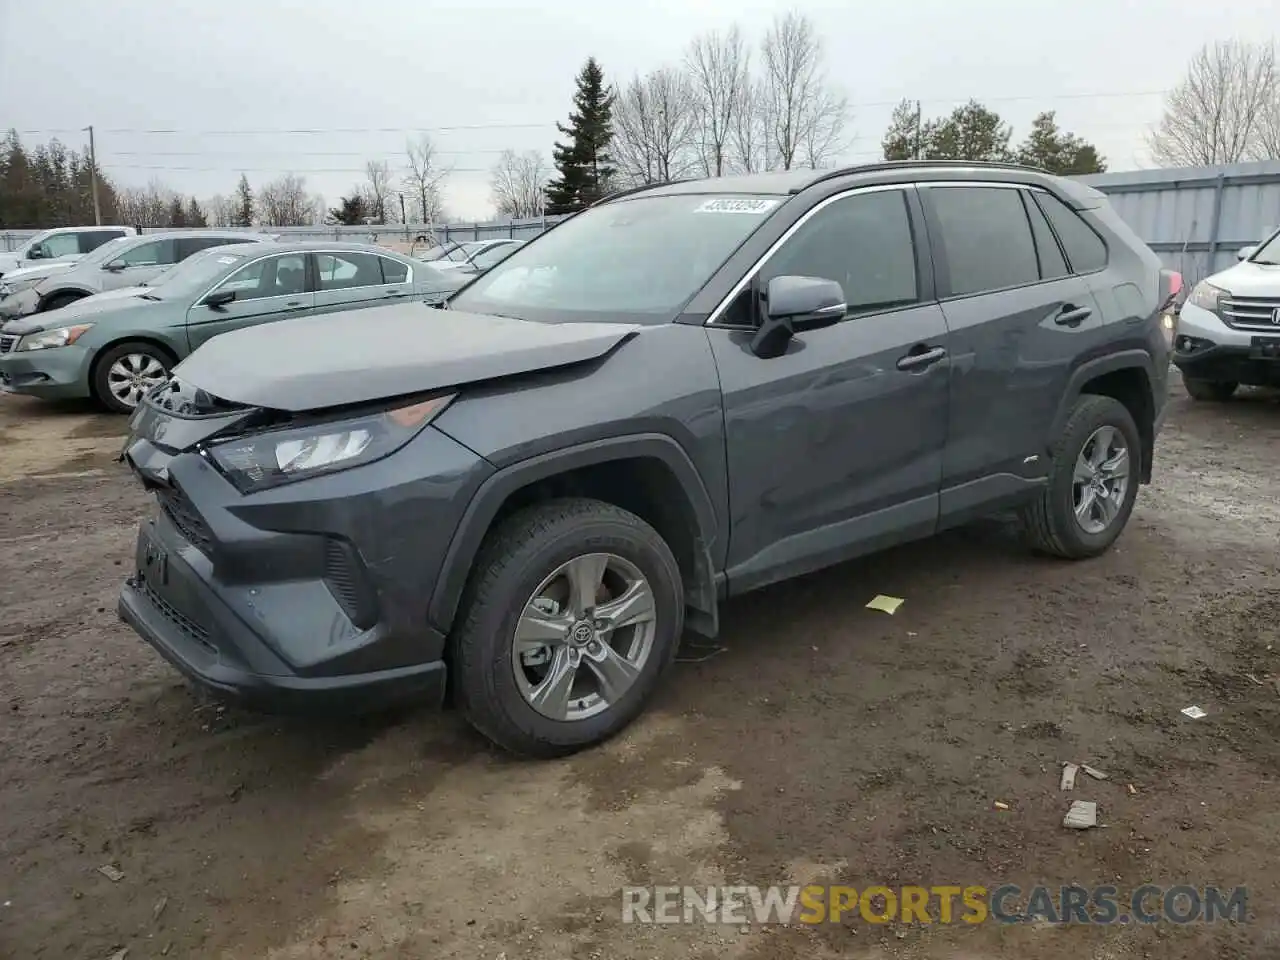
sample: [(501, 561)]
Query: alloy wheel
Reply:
[(1100, 480), (132, 375), (584, 637)]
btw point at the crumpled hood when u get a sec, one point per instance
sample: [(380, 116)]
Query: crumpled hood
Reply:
[(101, 306), (1249, 280), (314, 362)]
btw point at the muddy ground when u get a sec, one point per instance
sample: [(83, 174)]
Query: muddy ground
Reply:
[(826, 742)]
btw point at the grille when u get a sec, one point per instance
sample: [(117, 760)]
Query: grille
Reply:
[(345, 580), (179, 620), (7, 342), (182, 514), (1251, 313)]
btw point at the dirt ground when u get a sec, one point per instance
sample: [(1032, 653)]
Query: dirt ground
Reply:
[(827, 742)]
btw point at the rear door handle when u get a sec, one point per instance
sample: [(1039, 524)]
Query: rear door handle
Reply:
[(294, 305), (1072, 316), (921, 357)]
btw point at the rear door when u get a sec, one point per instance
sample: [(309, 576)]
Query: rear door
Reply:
[(136, 266), (1018, 318), (348, 280), (269, 289)]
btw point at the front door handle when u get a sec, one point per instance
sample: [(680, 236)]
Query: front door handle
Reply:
[(921, 357), (1072, 316), (393, 293)]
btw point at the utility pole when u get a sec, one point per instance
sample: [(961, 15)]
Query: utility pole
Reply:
[(93, 178), (919, 129)]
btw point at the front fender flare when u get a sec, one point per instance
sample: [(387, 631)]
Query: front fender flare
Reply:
[(488, 500)]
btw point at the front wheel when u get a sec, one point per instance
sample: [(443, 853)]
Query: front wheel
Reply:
[(1218, 391), (124, 374), (1097, 461), (572, 614)]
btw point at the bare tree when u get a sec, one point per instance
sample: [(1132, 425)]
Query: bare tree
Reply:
[(719, 68), (804, 117), (378, 189), (517, 184), (147, 206), (425, 180), (220, 211), (284, 202), (1266, 146), (748, 136), (1217, 112), (654, 121)]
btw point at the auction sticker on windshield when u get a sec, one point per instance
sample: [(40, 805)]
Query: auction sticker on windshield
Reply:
[(737, 205)]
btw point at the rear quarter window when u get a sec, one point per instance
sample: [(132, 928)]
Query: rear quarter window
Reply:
[(1085, 250)]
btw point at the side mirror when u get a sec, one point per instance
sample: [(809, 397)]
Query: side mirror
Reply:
[(219, 298), (36, 253), (115, 266), (1244, 253), (793, 305)]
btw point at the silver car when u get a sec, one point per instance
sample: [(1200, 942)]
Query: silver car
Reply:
[(133, 263)]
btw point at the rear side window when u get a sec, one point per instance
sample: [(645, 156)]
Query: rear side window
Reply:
[(93, 239), (1085, 249), (190, 245), (986, 237), (393, 271), (153, 254), (1052, 265)]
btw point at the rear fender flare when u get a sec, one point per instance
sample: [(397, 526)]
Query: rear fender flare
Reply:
[(1092, 369)]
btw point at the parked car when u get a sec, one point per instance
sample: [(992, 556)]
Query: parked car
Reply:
[(59, 243), (17, 296), (462, 254), (678, 395), (116, 345), (1228, 331), (134, 263), (491, 256)]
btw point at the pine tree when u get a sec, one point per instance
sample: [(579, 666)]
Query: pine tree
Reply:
[(195, 215), (177, 212), (971, 132), (1057, 151), (243, 203), (902, 141), (584, 163)]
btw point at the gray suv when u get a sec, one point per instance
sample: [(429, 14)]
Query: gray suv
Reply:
[(680, 394)]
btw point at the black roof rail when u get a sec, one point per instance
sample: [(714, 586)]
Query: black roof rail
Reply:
[(907, 164), (619, 194)]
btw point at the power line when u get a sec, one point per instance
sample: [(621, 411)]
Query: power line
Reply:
[(285, 169)]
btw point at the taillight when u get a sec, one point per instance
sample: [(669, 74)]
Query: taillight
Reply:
[(1170, 288)]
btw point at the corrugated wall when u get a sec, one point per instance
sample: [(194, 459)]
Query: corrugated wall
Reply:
[(1196, 218)]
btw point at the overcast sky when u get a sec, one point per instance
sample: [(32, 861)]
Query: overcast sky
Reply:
[(230, 77)]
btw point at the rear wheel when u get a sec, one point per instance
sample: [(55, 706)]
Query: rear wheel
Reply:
[(1097, 462), (124, 374), (60, 300), (571, 617), (1217, 391)]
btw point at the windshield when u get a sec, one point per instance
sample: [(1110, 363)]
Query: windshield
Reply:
[(195, 274), (638, 260), (1269, 253)]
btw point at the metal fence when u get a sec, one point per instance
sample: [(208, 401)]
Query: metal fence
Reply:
[(1195, 218)]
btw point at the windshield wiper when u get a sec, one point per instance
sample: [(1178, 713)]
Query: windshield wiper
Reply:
[(1268, 263), (147, 296)]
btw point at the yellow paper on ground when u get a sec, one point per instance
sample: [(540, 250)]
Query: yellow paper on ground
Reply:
[(887, 604)]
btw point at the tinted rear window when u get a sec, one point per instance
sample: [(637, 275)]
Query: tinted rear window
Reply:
[(1085, 249), (987, 238)]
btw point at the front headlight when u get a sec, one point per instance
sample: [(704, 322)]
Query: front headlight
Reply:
[(58, 337), (1205, 296), (258, 461), (10, 287)]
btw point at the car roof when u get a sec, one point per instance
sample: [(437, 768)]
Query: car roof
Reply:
[(303, 246), (788, 182), (182, 234)]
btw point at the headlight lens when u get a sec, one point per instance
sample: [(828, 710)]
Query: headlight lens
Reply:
[(1205, 296), (259, 461), (9, 287), (58, 337)]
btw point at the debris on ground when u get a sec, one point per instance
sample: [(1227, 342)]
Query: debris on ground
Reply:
[(1093, 772), (1000, 805), (1068, 776), (1255, 680), (1082, 815), (120, 954), (698, 652), (159, 908), (1194, 712), (1132, 790), (111, 872), (885, 604)]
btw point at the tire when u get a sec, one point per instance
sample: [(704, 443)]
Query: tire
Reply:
[(1216, 391), (491, 684), (59, 300), (147, 354), (1050, 522)]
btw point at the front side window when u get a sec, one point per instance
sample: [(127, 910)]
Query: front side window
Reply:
[(61, 245), (280, 276), (638, 260), (155, 253), (987, 238), (1085, 249)]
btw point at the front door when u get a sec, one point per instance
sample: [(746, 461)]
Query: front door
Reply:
[(835, 447), (273, 288)]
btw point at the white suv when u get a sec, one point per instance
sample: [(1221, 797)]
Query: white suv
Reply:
[(1228, 331), (60, 243)]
